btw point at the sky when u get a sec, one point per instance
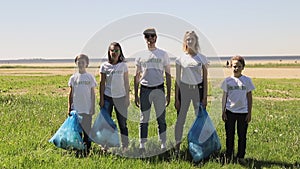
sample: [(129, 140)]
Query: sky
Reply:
[(60, 29)]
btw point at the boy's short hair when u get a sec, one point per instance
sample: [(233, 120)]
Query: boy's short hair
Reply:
[(238, 58), (82, 56)]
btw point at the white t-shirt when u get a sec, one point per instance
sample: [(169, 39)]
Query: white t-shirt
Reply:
[(191, 68), (115, 86), (237, 89), (152, 65), (82, 85)]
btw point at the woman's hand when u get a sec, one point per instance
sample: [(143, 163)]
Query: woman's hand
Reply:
[(101, 103)]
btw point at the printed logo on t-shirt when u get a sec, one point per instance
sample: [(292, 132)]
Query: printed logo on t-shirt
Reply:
[(151, 61), (114, 72), (236, 87), (82, 83)]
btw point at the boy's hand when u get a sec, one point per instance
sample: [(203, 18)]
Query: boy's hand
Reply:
[(224, 116), (248, 118), (69, 111)]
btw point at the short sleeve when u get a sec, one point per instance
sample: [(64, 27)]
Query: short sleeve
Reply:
[(94, 82), (70, 83), (177, 61), (138, 64), (166, 59), (250, 86), (203, 59), (224, 86), (102, 68), (125, 67), (137, 61)]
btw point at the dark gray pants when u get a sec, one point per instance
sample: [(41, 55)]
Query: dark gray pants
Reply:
[(157, 97)]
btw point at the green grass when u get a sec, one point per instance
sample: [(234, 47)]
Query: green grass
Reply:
[(32, 108)]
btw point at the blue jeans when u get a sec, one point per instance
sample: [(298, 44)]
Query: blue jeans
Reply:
[(121, 113), (157, 97)]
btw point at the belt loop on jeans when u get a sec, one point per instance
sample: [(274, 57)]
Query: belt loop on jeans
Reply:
[(153, 87)]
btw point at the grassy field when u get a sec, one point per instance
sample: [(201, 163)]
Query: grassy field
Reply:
[(33, 107)]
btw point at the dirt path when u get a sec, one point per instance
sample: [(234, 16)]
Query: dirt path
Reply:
[(213, 72)]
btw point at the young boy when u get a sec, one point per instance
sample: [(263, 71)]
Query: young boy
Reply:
[(82, 97), (237, 107)]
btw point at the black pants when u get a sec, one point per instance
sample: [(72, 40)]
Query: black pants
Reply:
[(86, 123), (242, 126), (187, 93)]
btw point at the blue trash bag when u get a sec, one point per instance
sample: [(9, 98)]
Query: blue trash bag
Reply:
[(202, 137), (104, 130), (68, 135)]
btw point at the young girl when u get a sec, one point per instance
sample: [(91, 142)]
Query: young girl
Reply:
[(191, 82), (114, 88), (237, 107), (82, 97)]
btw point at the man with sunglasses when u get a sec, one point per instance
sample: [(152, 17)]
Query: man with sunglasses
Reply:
[(151, 66)]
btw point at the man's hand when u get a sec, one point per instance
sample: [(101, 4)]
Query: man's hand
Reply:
[(177, 105), (137, 101)]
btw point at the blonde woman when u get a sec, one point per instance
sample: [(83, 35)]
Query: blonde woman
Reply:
[(191, 82)]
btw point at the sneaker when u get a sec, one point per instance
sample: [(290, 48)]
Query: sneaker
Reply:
[(164, 149), (79, 154), (142, 151), (104, 149), (124, 150), (242, 161), (176, 153)]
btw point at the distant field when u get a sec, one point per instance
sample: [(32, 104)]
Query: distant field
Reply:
[(33, 107), (253, 69)]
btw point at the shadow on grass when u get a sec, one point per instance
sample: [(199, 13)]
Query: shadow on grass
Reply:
[(218, 157), (254, 163), (248, 163)]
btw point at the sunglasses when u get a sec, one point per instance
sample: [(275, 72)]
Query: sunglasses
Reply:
[(115, 50), (150, 35)]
